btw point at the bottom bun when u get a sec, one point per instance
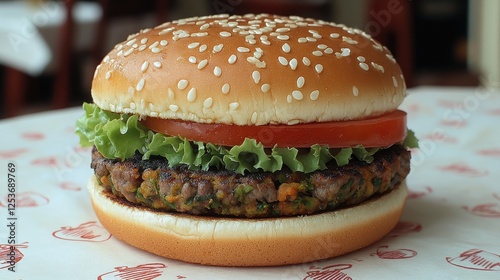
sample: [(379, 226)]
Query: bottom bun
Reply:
[(224, 241)]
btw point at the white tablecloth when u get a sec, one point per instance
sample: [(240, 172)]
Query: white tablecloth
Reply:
[(29, 32), (450, 228)]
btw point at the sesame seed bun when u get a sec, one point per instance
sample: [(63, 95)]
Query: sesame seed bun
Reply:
[(249, 242), (249, 70)]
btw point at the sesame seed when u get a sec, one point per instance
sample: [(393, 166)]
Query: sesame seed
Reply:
[(349, 40), (283, 61), (302, 40), (191, 96), (334, 35), (355, 91), (364, 66), (170, 93), (154, 45), (378, 67), (199, 34), (289, 98), (394, 82), (119, 53), (345, 51), (366, 35), (253, 119), (265, 88), (394, 98), (265, 42), (173, 108), (233, 106), (317, 53), (296, 94), (128, 52), (165, 31), (144, 40), (204, 26), (283, 29), (361, 58), (218, 48), (193, 45), (256, 76), (131, 42), (155, 50), (202, 64), (192, 59), (314, 95), (142, 47), (293, 122), (283, 37), (108, 74), (182, 84), (300, 82), (163, 43), (232, 59), (225, 34), (322, 46), (243, 49), (217, 71), (286, 47), (378, 47), (306, 61), (318, 68), (181, 35), (225, 88), (293, 63), (329, 51), (258, 54), (106, 59), (144, 66), (391, 58), (208, 102), (317, 36), (140, 85), (311, 39), (202, 48)]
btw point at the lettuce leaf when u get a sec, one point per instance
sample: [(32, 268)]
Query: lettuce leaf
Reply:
[(121, 136)]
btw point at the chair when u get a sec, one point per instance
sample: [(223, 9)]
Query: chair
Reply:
[(390, 23), (16, 81)]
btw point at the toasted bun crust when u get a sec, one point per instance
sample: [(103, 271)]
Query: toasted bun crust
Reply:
[(249, 70), (247, 242)]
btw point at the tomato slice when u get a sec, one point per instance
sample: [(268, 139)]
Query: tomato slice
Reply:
[(380, 131)]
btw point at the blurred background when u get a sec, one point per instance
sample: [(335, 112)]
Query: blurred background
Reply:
[(49, 49)]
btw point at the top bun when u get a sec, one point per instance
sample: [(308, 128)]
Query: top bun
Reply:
[(249, 70)]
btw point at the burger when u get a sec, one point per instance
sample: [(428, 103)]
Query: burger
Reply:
[(254, 140)]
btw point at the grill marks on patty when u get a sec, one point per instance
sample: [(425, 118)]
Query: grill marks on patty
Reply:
[(264, 194)]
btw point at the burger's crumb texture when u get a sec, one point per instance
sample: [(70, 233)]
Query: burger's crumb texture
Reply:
[(264, 194)]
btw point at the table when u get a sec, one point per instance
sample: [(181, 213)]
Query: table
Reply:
[(450, 228)]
